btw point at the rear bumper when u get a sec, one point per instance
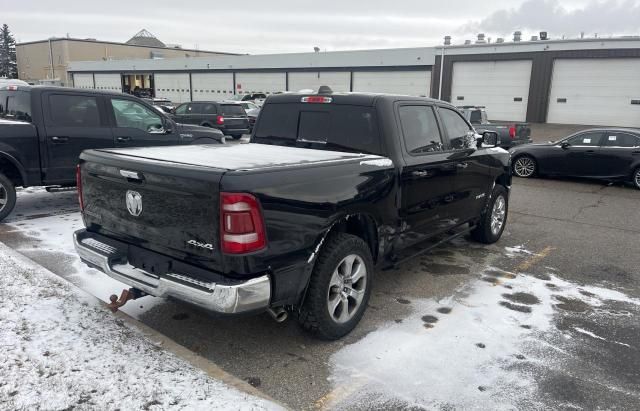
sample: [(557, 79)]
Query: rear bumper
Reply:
[(232, 298), (234, 131)]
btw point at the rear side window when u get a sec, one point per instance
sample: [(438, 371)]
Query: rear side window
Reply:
[(15, 105), (209, 108), (336, 126), (420, 129), (621, 140), (232, 110), (475, 117), (74, 111)]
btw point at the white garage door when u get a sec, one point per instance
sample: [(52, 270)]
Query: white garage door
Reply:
[(337, 80), (260, 82), (596, 92), (175, 87), (111, 82), (83, 80), (501, 86), (212, 86), (411, 83)]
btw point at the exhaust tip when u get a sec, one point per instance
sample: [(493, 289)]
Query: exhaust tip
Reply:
[(279, 314)]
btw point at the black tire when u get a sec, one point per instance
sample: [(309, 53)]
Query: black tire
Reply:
[(314, 315), (529, 164), (484, 232), (237, 136), (7, 196), (635, 178)]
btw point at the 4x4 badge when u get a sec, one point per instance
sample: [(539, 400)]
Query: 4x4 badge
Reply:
[(134, 203)]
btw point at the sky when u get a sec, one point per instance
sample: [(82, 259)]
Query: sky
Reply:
[(280, 26)]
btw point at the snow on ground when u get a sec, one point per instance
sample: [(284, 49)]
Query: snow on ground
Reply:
[(54, 234), (470, 350), (61, 349)]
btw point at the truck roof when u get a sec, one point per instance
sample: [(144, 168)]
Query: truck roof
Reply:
[(29, 88), (355, 98)]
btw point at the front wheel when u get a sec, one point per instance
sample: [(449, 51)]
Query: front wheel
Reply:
[(7, 196), (493, 221), (524, 167), (339, 288), (636, 178)]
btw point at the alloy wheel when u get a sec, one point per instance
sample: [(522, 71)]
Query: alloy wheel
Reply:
[(347, 288), (498, 214), (636, 178), (4, 197), (524, 167)]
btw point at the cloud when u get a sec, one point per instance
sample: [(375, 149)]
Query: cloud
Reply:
[(610, 17)]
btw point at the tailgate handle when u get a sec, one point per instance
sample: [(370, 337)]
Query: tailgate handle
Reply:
[(60, 140), (131, 174)]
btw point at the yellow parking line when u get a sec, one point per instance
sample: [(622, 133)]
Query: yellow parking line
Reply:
[(534, 259)]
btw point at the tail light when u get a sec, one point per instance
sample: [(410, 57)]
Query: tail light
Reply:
[(316, 99), (79, 185), (220, 120), (241, 224), (512, 132)]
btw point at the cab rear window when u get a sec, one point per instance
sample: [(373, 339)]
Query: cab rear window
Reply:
[(335, 126), (15, 105)]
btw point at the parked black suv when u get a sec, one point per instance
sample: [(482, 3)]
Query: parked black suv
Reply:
[(228, 117), (329, 187), (43, 130)]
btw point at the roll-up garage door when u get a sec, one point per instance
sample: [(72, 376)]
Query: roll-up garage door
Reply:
[(175, 87), (260, 82), (411, 83), (501, 86), (337, 80), (83, 80), (212, 86), (111, 82), (595, 92)]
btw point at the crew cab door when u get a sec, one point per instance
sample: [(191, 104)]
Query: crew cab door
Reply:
[(136, 125), (73, 122), (428, 178), (473, 176)]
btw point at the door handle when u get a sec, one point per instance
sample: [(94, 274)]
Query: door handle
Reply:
[(590, 151), (462, 165), (420, 173), (60, 140), (123, 139)]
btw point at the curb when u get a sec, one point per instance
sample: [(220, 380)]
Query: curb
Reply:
[(158, 339)]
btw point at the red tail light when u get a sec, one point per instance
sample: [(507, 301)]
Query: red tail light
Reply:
[(241, 224), (316, 99), (220, 120), (79, 185), (512, 132)]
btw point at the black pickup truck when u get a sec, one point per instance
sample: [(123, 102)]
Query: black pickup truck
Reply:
[(510, 134), (330, 186), (43, 130)]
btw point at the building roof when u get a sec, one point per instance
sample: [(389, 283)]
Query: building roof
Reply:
[(145, 38)]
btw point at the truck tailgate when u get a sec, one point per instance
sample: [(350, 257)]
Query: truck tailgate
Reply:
[(170, 208)]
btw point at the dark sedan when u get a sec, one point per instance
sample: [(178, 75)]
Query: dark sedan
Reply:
[(602, 153)]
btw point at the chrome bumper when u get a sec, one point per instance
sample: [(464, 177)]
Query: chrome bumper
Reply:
[(251, 295)]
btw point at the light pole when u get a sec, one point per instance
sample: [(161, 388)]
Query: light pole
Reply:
[(447, 41)]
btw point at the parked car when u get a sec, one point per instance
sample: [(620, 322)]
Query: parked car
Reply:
[(228, 117), (601, 153), (331, 186), (161, 104), (257, 98), (509, 134), (44, 129), (252, 110)]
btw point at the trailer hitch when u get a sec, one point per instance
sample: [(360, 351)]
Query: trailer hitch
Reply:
[(126, 295)]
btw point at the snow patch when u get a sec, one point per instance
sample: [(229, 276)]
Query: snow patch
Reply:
[(381, 162)]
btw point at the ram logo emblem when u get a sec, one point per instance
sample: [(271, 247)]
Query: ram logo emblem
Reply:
[(134, 203)]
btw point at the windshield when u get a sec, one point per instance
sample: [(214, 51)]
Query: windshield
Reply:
[(320, 126), (15, 105)]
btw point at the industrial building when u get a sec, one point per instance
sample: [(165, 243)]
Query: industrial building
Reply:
[(47, 61), (591, 81)]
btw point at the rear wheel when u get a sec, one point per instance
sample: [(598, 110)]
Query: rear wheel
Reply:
[(493, 221), (237, 136), (636, 178), (339, 288), (7, 196), (525, 167)]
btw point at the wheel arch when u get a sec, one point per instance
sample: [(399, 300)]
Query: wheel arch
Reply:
[(12, 168)]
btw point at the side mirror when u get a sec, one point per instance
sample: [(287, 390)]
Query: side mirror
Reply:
[(564, 144), (489, 139)]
